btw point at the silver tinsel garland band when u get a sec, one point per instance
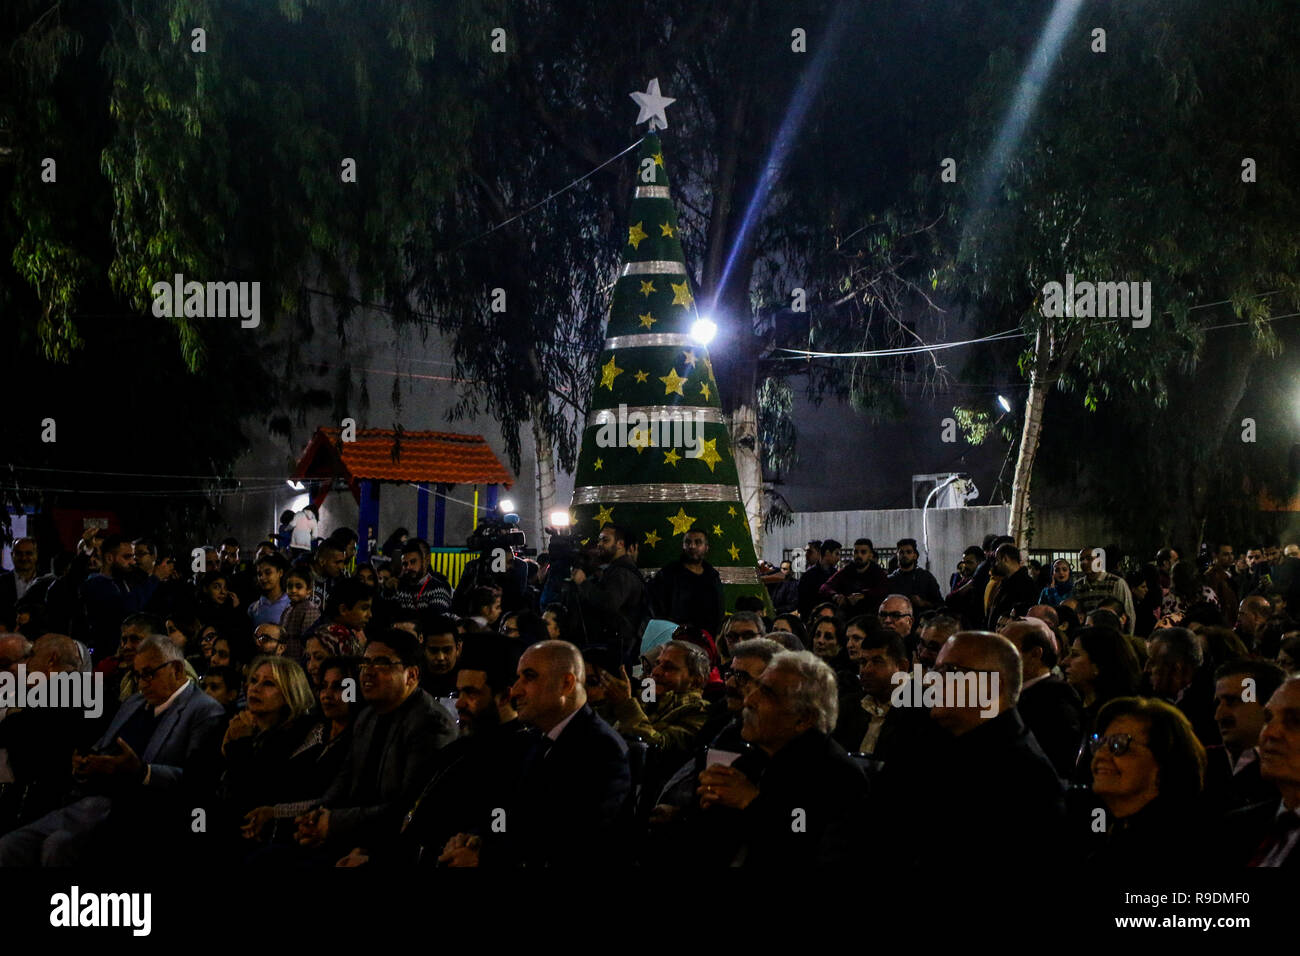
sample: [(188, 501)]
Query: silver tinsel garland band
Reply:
[(709, 416), (650, 340), (653, 494), (728, 575), (654, 267), (652, 192)]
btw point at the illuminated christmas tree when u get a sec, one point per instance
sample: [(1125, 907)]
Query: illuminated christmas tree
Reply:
[(656, 454)]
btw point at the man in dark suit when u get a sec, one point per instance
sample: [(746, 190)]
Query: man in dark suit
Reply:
[(1232, 770), (1174, 668), (987, 777), (1268, 833), (574, 782), (1015, 591), (157, 760), (1048, 705), (803, 801), (393, 754), (868, 723)]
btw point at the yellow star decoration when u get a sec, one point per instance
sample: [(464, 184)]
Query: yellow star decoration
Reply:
[(666, 229), (648, 286), (681, 521), (671, 457), (672, 383), (604, 514), (639, 439), (732, 511), (709, 453), (681, 294), (599, 464), (734, 552), (635, 234), (647, 320), (717, 530), (652, 539), (704, 390), (609, 372), (659, 159), (642, 375), (690, 356)]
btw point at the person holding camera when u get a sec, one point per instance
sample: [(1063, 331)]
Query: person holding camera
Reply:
[(613, 603)]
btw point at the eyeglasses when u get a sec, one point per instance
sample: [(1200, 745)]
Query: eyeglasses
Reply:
[(265, 638), (892, 615), (743, 635), (379, 662), (1117, 744), (148, 673), (742, 678)]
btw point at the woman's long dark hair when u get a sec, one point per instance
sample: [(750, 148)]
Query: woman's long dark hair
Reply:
[(1118, 673)]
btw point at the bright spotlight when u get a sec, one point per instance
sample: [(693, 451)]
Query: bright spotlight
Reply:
[(1002, 400), (505, 504), (704, 330), (559, 519)]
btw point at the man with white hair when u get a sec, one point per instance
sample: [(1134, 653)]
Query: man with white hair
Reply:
[(801, 800), (1050, 707)]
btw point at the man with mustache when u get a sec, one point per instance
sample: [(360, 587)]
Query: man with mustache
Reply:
[(1232, 774)]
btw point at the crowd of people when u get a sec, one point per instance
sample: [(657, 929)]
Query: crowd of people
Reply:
[(298, 707)]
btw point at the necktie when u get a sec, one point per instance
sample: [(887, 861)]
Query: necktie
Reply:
[(1277, 835)]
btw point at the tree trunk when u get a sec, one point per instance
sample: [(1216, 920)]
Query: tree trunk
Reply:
[(545, 454), (1018, 522), (749, 468)]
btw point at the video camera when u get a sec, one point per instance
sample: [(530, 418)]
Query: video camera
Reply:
[(496, 533)]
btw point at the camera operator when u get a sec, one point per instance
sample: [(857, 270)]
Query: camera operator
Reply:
[(512, 583), (613, 603)]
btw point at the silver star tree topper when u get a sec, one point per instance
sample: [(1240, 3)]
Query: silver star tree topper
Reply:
[(652, 106)]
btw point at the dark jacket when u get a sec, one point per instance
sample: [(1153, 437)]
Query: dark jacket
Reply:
[(472, 776), (1161, 835), (368, 812), (811, 809), (104, 603), (1053, 712), (9, 594), (915, 583), (907, 730), (992, 781), (679, 596), (615, 608), (568, 799), (1017, 595), (810, 585), (1226, 791), (871, 582), (1244, 833)]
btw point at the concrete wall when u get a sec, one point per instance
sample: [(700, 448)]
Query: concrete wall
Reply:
[(952, 530), (379, 352)]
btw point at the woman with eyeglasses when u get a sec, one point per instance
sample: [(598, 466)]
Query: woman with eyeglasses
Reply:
[(1148, 770)]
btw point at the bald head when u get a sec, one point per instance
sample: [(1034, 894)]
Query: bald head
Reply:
[(14, 650), (551, 684), (978, 657), (1036, 642), (55, 654), (1045, 612)]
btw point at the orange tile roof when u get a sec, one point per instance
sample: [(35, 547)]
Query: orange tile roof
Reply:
[(445, 457)]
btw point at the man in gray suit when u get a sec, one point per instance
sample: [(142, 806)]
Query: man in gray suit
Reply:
[(394, 745), (161, 747)]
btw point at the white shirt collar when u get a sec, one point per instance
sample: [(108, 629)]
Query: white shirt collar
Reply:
[(161, 708), (554, 732)]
